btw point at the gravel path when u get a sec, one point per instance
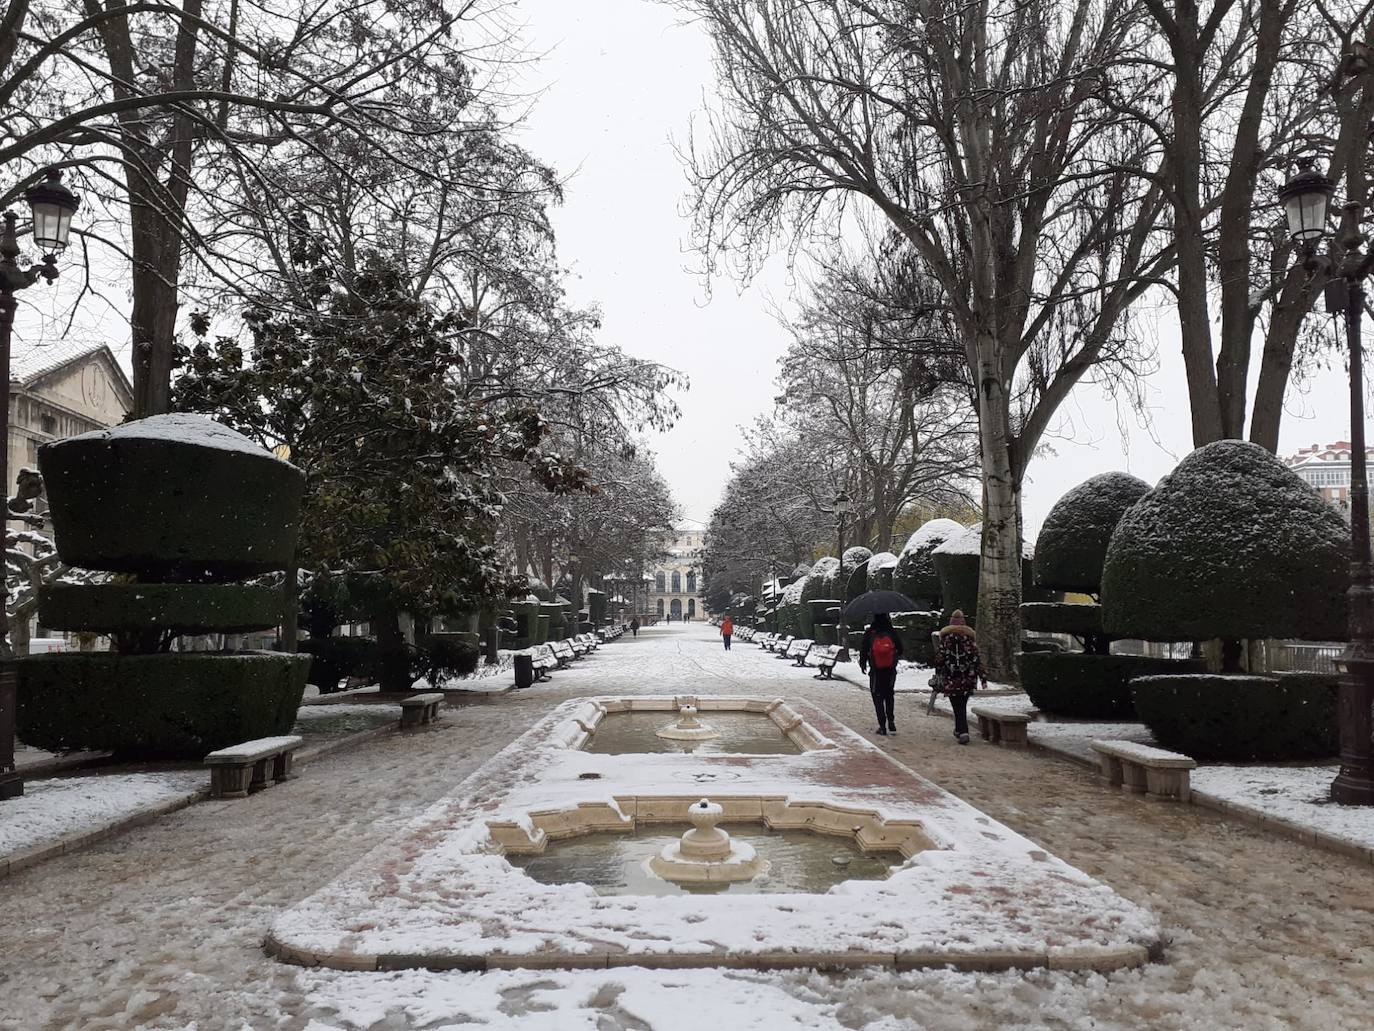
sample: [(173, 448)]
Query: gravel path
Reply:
[(161, 927)]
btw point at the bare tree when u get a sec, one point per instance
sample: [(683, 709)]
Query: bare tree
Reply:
[(979, 133)]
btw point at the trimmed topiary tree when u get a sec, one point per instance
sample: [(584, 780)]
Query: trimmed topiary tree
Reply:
[(879, 571), (854, 572), (819, 583), (914, 574), (1091, 687), (1072, 545)]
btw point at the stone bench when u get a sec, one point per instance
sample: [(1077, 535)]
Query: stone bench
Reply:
[(1002, 726), (251, 766), (825, 657), (1144, 768), (419, 709)]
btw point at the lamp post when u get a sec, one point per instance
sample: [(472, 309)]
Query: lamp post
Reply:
[(1305, 200), (51, 205)]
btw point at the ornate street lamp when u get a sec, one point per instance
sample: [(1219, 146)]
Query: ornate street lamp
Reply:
[(842, 506), (52, 206), (1305, 200)]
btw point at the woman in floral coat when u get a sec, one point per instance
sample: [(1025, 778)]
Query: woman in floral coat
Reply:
[(960, 668)]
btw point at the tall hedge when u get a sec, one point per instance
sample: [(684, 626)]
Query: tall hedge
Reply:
[(915, 574), (819, 583), (1091, 687), (1231, 544), (1072, 545)]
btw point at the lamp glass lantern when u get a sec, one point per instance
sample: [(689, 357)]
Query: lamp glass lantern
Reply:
[(843, 504), (52, 206), (1306, 200)]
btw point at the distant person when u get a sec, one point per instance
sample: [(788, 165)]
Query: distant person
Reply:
[(634, 627), (727, 630), (958, 664), (878, 655)]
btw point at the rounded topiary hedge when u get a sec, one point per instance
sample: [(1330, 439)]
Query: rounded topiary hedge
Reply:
[(915, 574), (819, 583), (1231, 544), (172, 497), (181, 608), (448, 655), (1073, 541), (915, 629), (181, 704), (1241, 717), (1050, 617), (1091, 686)]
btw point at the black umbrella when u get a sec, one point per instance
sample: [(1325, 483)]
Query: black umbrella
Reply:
[(877, 601)]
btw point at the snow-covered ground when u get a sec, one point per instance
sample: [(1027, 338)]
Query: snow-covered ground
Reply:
[(53, 809), (161, 928), (1298, 795)]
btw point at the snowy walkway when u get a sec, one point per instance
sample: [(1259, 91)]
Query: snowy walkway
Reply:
[(161, 927)]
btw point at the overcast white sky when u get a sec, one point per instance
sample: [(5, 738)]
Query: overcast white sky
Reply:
[(622, 77)]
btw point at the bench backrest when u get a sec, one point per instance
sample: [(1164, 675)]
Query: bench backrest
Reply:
[(562, 649)]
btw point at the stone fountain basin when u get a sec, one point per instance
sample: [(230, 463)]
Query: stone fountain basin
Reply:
[(580, 730), (973, 893)]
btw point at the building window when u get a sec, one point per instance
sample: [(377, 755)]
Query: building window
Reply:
[(677, 582), (691, 581), (658, 607), (691, 606), (47, 423), (659, 582)]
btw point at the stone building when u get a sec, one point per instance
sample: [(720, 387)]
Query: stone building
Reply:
[(676, 590), (60, 390), (1327, 468)]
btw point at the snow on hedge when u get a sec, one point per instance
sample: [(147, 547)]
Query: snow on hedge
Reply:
[(882, 560), (1072, 545), (931, 534)]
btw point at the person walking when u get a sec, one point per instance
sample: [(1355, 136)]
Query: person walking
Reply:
[(634, 627), (878, 655), (957, 662), (727, 630)]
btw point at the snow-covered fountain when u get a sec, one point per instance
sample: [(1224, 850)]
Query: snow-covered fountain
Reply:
[(688, 727), (706, 853)]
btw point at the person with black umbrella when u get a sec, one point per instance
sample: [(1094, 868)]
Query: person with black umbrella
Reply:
[(878, 656)]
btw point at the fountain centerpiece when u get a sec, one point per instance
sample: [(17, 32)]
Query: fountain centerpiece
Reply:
[(705, 854), (688, 727)]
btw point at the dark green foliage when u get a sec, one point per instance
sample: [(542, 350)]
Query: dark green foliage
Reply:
[(1073, 541), (1062, 618), (915, 574), (1231, 544), (174, 497), (958, 583), (340, 657), (176, 608), (1091, 686), (1239, 717), (915, 629), (853, 574), (445, 656), (819, 583), (858, 582), (179, 705)]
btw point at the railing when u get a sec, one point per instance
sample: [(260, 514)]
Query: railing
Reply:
[(1304, 657)]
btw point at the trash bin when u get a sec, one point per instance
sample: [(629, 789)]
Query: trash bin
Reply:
[(524, 670)]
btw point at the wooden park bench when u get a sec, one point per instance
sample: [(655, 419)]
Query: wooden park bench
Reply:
[(1002, 726), (251, 766), (419, 709), (800, 650), (578, 646), (825, 656), (780, 646), (766, 640), (1145, 768), (544, 661)]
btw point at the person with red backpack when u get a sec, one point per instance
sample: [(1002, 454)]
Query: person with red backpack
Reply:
[(878, 657), (958, 664), (727, 630)]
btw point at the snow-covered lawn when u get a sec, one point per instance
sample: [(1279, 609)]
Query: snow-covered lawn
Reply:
[(50, 810), (1297, 795)]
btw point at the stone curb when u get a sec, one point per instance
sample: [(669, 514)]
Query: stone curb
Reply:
[(22, 860), (1082, 957)]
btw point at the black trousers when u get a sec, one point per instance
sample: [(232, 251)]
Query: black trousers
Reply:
[(882, 685), (960, 704), (727, 641)]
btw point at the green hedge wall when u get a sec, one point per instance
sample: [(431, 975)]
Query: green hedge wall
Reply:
[(1241, 717), (339, 657), (181, 704), (915, 629), (1051, 617), (1091, 687), (183, 608), (448, 655)]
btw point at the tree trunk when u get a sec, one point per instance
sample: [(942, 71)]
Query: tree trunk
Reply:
[(1276, 361), (392, 653), (999, 579)]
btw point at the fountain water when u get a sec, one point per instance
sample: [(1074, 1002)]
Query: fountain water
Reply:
[(705, 854), (688, 727)]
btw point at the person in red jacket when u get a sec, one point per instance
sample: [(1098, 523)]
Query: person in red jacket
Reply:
[(878, 655), (727, 630)]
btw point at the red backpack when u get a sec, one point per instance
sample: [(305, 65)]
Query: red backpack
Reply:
[(884, 652)]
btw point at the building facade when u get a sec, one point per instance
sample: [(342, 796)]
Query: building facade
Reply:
[(61, 390), (1327, 468), (676, 590)]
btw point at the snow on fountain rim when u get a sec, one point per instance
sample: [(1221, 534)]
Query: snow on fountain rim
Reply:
[(439, 889)]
